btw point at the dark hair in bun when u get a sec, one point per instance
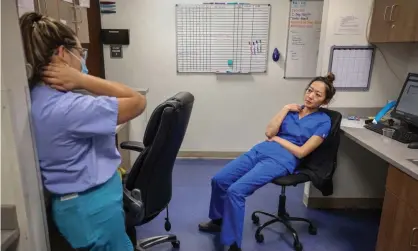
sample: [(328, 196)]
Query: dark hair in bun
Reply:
[(328, 80), (331, 77)]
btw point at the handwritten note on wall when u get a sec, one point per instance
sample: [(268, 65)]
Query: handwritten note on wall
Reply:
[(305, 20), (349, 25)]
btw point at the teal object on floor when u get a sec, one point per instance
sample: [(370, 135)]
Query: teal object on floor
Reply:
[(93, 220)]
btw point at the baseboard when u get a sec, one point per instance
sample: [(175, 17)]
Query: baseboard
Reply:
[(343, 203), (208, 154)]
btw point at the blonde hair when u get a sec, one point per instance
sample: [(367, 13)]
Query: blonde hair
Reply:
[(41, 37)]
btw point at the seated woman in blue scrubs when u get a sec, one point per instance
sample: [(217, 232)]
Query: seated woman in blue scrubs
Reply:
[(75, 135), (291, 135)]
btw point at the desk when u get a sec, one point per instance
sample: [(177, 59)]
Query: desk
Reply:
[(9, 228), (399, 221), (395, 153)]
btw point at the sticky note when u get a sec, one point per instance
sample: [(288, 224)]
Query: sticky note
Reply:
[(230, 62)]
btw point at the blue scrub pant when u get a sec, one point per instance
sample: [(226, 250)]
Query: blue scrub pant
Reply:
[(231, 185), (94, 220)]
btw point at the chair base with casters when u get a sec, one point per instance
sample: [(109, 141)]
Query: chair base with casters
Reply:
[(144, 244), (282, 215), (134, 212)]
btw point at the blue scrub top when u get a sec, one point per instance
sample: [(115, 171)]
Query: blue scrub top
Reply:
[(297, 131), (75, 139)]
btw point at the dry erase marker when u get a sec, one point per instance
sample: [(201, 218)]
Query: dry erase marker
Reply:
[(254, 48), (251, 49), (260, 45)]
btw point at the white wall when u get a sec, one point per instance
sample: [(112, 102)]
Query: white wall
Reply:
[(413, 61), (11, 184), (150, 61), (384, 83), (360, 174), (20, 185)]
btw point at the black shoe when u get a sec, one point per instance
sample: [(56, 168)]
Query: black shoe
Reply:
[(213, 226), (234, 247)]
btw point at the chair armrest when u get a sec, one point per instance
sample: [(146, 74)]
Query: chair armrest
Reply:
[(133, 203), (132, 145)]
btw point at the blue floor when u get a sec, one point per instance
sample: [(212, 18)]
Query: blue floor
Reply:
[(340, 230)]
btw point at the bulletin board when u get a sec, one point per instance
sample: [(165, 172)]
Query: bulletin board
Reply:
[(352, 67), (222, 38), (304, 32)]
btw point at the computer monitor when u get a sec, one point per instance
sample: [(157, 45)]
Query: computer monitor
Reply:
[(406, 108)]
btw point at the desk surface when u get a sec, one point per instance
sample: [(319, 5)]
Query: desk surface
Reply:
[(8, 237), (394, 152)]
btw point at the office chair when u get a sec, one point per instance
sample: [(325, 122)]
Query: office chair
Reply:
[(148, 184), (310, 169)]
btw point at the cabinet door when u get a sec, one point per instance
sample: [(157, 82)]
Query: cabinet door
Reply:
[(416, 34), (414, 233), (82, 26), (380, 25), (416, 22), (403, 18), (406, 221), (385, 239), (398, 230)]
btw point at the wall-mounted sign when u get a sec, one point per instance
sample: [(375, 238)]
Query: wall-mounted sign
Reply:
[(116, 51)]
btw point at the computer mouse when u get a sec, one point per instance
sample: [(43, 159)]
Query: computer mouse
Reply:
[(413, 145)]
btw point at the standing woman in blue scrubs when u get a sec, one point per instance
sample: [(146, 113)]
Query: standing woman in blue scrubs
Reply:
[(292, 134), (75, 135)]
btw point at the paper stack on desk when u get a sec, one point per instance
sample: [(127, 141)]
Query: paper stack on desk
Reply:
[(352, 123)]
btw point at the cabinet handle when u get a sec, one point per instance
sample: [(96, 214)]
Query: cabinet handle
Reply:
[(391, 12), (411, 241), (384, 14)]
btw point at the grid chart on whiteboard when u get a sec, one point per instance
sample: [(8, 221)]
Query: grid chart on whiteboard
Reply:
[(352, 66), (222, 38)]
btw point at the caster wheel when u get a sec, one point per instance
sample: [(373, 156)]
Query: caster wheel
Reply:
[(259, 238), (297, 246), (255, 219), (312, 230), (167, 226), (176, 244)]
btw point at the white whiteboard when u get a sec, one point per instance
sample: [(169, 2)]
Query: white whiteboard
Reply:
[(304, 33), (222, 38)]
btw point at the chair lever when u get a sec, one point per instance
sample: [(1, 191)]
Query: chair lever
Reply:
[(134, 203), (136, 193)]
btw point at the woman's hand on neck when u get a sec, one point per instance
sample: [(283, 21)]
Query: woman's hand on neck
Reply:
[(306, 111)]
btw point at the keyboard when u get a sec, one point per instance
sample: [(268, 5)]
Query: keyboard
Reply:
[(402, 135)]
